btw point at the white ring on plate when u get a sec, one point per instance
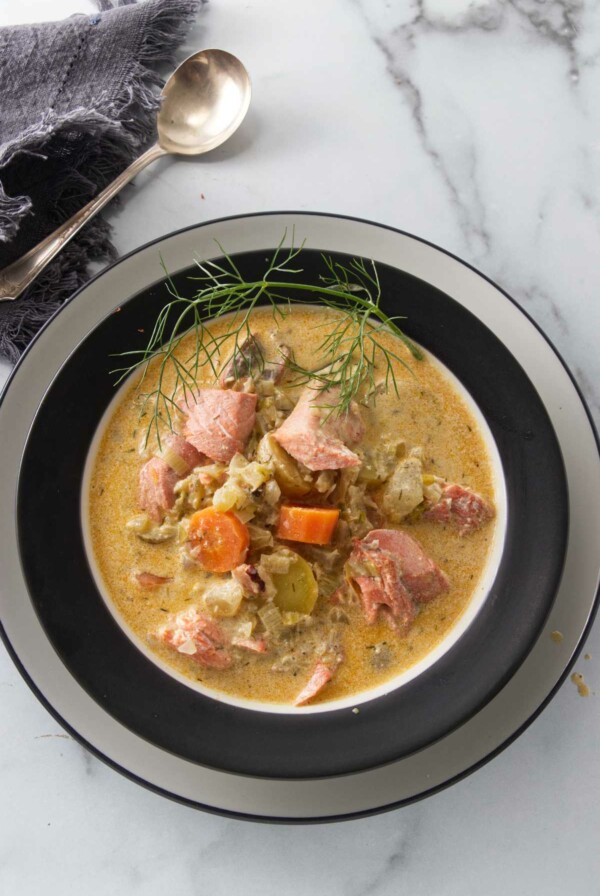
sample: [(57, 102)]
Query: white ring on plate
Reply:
[(409, 778)]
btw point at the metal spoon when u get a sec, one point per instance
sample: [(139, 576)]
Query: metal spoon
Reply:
[(204, 102)]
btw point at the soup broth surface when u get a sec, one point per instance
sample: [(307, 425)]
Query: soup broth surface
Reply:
[(427, 413)]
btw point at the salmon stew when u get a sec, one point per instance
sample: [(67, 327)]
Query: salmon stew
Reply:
[(278, 537)]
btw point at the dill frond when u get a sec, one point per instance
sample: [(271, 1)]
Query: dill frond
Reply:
[(350, 350)]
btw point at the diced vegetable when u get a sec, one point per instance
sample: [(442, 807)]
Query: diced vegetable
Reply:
[(243, 478), (355, 509), (223, 598), (432, 488), (287, 473), (346, 479), (324, 557), (249, 473), (325, 482), (271, 618), (244, 630), (283, 402), (260, 538), (147, 530), (272, 492), (246, 513), (277, 562), (230, 496), (187, 647), (291, 617), (265, 388), (175, 461), (327, 581), (376, 466), (218, 541), (295, 590), (404, 491), (199, 486), (139, 524), (310, 525)]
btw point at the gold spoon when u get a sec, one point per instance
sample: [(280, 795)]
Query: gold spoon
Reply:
[(203, 103)]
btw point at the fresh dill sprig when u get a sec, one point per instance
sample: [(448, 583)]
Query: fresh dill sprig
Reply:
[(350, 350)]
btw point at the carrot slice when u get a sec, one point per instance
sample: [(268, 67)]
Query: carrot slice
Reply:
[(310, 525), (219, 541)]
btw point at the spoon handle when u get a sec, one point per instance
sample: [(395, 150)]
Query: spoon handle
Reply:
[(18, 275)]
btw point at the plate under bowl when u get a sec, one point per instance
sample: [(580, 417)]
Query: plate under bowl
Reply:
[(446, 293), (215, 733)]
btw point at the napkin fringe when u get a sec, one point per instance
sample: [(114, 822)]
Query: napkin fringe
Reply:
[(12, 209), (168, 26)]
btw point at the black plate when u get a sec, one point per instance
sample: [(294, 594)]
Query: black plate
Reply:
[(154, 705)]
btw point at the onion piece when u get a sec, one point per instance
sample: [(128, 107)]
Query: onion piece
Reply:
[(223, 598), (271, 618), (175, 461)]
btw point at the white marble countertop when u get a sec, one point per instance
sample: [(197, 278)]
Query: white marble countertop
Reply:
[(472, 123)]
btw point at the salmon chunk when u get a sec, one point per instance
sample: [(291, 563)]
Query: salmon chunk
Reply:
[(248, 578), (156, 492), (392, 573), (219, 422), (388, 591), (316, 436), (460, 507), (194, 635), (150, 580), (422, 578), (255, 645), (159, 475), (321, 675)]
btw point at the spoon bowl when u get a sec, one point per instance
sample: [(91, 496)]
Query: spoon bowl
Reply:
[(204, 101)]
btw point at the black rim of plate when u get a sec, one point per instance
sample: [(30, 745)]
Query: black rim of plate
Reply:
[(176, 718)]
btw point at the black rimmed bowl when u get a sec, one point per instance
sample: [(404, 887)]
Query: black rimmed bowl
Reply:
[(447, 722), (215, 733)]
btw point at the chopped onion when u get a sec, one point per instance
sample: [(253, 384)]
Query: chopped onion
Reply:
[(175, 461), (223, 598), (279, 562), (229, 497), (260, 538), (272, 492), (140, 523), (158, 534), (188, 647), (246, 513), (244, 630)]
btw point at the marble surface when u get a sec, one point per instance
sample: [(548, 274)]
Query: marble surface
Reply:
[(475, 124)]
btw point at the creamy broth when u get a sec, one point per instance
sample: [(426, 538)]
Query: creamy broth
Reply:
[(428, 412)]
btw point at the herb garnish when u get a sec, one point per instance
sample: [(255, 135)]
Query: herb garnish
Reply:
[(350, 350)]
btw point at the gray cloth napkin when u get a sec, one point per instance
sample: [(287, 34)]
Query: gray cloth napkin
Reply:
[(77, 104)]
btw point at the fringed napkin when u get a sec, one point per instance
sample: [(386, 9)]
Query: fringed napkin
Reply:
[(78, 103)]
